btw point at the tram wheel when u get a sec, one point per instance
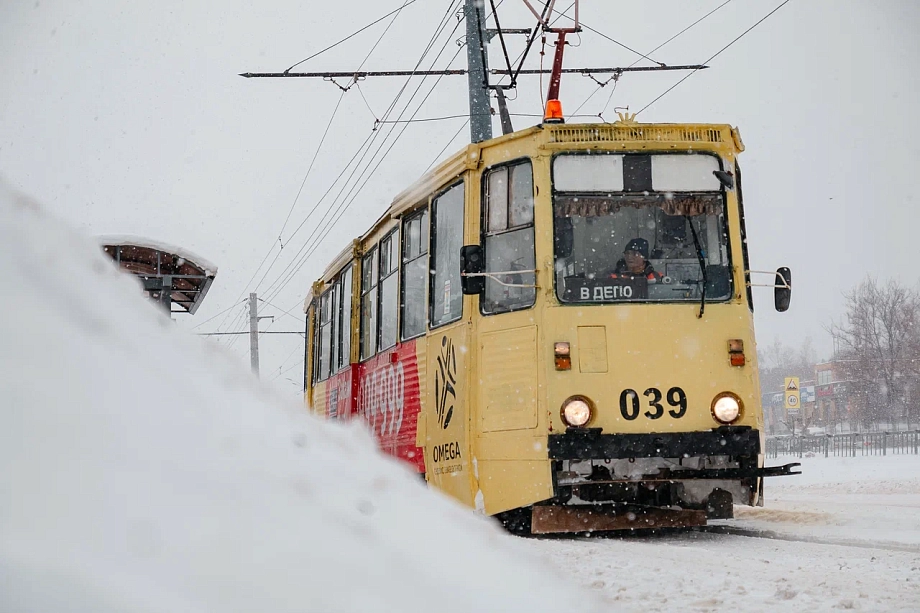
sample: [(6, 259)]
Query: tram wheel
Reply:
[(516, 521), (719, 505)]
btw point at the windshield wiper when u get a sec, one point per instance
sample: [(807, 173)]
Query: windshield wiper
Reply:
[(702, 260)]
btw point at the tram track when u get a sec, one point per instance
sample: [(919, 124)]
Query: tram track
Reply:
[(814, 540), (721, 529)]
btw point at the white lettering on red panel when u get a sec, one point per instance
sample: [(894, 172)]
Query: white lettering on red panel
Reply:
[(383, 399)]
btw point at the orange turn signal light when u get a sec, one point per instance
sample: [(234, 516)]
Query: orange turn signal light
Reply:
[(553, 112), (736, 352), (562, 353)]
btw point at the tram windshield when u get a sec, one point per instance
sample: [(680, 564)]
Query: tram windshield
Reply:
[(640, 227)]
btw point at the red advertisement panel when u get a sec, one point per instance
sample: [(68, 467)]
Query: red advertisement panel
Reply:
[(388, 399)]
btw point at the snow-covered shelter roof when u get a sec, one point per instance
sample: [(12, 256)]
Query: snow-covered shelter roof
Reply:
[(159, 264)]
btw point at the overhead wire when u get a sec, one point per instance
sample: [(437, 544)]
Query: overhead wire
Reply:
[(687, 28), (281, 368), (616, 79), (323, 139), (346, 202), (213, 317), (342, 209), (715, 55), (326, 222), (352, 35), (238, 324), (374, 134), (396, 13), (283, 312), (343, 206), (602, 35), (352, 195)]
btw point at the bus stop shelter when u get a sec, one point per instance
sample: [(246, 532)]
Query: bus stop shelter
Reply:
[(173, 277)]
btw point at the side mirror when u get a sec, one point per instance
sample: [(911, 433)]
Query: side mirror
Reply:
[(472, 265), (782, 290)]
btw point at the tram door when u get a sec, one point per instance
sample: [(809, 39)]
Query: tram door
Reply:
[(447, 459), (510, 457)]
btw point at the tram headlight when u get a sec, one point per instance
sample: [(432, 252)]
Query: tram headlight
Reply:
[(726, 408), (577, 411)]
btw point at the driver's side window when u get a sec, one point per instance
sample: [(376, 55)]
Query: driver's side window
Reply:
[(508, 233)]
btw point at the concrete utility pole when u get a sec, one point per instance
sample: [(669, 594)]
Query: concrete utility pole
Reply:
[(254, 332), (478, 61)]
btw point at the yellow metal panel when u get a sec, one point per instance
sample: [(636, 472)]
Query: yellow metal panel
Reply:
[(508, 379), (421, 356), (447, 451), (658, 347), (592, 348), (506, 485)]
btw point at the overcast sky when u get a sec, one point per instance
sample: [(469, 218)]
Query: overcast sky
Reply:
[(129, 118)]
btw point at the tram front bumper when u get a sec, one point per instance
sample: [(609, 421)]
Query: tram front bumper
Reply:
[(733, 441), (592, 444)]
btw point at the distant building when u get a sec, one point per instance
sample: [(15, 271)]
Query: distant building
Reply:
[(831, 394)]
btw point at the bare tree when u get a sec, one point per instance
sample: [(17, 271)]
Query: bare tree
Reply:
[(879, 344), (778, 361)]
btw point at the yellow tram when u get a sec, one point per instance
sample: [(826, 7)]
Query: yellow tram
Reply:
[(555, 326)]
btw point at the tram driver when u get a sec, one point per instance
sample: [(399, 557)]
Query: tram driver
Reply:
[(634, 264)]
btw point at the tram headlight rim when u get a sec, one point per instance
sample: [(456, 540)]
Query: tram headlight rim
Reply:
[(719, 415), (571, 400)]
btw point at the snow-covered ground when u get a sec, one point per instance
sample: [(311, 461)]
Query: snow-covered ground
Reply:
[(142, 470), (843, 535)]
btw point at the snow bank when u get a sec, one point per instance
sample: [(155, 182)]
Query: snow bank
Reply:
[(141, 470)]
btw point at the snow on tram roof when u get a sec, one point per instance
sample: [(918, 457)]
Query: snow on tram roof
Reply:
[(196, 260), (417, 193)]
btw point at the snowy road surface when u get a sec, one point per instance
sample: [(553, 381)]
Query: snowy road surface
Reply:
[(845, 536)]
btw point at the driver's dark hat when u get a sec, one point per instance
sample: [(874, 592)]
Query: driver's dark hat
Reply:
[(638, 244)]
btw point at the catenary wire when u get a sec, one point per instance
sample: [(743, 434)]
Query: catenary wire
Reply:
[(271, 248), (715, 55), (296, 263), (374, 134), (316, 237), (610, 97), (346, 203), (340, 211), (322, 140), (352, 193), (216, 316), (352, 35)]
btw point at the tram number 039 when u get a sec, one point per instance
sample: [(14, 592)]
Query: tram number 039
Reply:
[(630, 404)]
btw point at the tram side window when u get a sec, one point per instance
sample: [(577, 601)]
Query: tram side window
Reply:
[(388, 286), (415, 272), (444, 295), (509, 239), (317, 337), (324, 336), (369, 305), (308, 375), (343, 323)]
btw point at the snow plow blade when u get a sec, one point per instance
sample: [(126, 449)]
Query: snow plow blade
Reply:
[(599, 518)]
